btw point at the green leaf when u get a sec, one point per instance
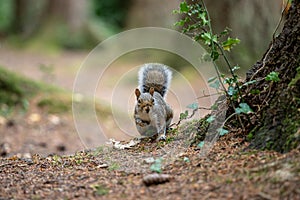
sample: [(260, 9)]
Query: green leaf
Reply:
[(255, 91), (156, 166), (215, 84), (214, 107), (193, 106), (214, 55), (210, 119), (243, 108), (229, 43), (273, 76), (222, 131), (235, 68), (208, 38), (201, 144), (211, 79), (248, 83), (186, 159), (203, 18), (183, 115), (225, 32), (231, 91), (179, 23), (184, 7)]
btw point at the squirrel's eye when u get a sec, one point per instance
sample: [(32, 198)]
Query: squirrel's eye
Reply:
[(139, 101)]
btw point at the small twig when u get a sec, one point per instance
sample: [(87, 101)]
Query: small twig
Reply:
[(265, 100), (11, 163), (208, 95), (189, 117)]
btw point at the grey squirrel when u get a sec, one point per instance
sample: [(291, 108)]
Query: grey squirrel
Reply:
[(152, 114)]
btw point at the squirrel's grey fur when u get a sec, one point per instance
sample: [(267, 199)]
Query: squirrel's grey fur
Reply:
[(152, 114), (154, 75)]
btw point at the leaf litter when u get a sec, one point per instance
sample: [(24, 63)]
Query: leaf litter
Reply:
[(229, 171)]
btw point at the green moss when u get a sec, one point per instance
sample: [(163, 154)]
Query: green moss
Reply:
[(16, 91), (296, 79), (269, 145), (250, 136), (56, 105), (196, 128)]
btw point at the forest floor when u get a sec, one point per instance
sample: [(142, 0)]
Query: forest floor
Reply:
[(42, 158), (228, 171)]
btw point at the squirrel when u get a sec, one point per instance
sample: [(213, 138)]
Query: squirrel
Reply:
[(152, 114)]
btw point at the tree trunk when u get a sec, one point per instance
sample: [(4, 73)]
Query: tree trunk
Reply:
[(276, 123), (19, 12)]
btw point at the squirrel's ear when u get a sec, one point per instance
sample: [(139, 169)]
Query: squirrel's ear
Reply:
[(137, 93), (151, 91)]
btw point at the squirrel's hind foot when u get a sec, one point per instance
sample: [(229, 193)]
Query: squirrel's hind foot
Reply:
[(161, 138)]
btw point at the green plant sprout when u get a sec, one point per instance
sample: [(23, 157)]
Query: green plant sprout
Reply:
[(196, 23)]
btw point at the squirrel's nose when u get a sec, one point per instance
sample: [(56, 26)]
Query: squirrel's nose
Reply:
[(147, 109)]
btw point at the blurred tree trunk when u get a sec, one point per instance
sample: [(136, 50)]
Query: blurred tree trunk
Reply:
[(50, 18), (277, 106), (253, 22), (19, 13), (151, 13), (71, 12)]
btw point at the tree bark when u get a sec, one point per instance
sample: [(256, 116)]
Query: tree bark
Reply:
[(276, 123)]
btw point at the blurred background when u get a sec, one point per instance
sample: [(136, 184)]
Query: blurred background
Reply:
[(50, 26), (48, 40)]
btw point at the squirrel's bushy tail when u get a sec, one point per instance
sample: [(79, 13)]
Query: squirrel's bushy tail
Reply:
[(155, 75)]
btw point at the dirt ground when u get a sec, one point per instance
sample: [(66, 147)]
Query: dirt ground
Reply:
[(227, 172), (42, 157)]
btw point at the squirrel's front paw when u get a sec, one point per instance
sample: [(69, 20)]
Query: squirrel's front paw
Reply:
[(140, 123), (161, 137)]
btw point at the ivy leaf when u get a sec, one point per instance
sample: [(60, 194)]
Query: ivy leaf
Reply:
[(201, 144), (156, 166), (231, 91), (235, 68), (184, 7), (193, 106), (225, 32), (203, 18), (215, 84), (229, 43), (208, 38), (210, 119), (243, 108), (211, 79), (183, 115), (273, 76), (248, 83), (214, 55), (186, 159), (222, 131), (180, 23)]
